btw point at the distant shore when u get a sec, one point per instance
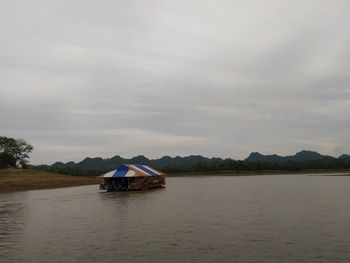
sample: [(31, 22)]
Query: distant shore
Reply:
[(267, 172), (27, 179)]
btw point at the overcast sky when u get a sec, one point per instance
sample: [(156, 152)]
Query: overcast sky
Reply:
[(217, 78)]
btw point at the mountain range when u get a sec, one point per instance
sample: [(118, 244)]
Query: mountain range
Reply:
[(112, 163), (188, 161), (299, 156)]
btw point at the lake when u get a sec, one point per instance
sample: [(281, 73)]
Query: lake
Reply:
[(271, 218)]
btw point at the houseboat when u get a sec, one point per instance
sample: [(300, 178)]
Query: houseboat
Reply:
[(132, 177)]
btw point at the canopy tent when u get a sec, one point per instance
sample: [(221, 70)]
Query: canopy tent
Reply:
[(132, 170)]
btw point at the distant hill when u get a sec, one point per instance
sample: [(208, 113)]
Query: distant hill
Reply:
[(299, 156), (108, 164), (255, 156), (344, 156)]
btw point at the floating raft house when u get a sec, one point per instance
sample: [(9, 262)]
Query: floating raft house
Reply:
[(132, 177)]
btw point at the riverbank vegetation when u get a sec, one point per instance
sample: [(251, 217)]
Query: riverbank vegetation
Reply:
[(14, 152)]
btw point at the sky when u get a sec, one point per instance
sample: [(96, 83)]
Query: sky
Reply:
[(175, 77)]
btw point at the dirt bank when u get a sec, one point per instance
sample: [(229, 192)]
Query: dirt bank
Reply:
[(19, 180)]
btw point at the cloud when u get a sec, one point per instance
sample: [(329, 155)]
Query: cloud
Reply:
[(109, 142), (175, 77)]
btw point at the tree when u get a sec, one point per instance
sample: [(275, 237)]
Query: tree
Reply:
[(14, 152), (7, 160)]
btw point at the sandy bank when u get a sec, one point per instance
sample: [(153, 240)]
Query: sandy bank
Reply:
[(19, 180)]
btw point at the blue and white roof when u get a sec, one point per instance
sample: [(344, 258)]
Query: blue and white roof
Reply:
[(132, 170)]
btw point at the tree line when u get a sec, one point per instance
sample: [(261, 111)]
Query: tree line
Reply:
[(327, 163)]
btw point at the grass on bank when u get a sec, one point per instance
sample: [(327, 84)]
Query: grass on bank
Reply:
[(28, 179)]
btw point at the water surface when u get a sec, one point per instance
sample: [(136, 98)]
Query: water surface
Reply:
[(287, 218)]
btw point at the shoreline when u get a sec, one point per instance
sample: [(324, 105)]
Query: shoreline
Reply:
[(12, 180), (267, 172)]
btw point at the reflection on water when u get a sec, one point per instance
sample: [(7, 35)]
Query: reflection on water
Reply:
[(206, 219), (12, 216)]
